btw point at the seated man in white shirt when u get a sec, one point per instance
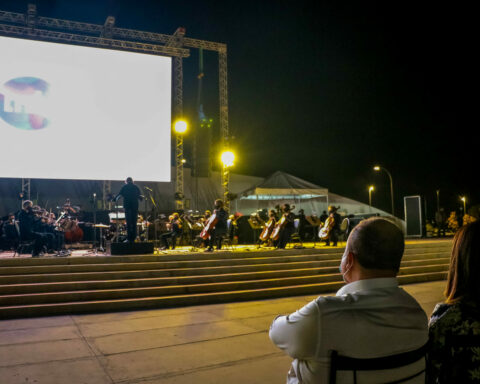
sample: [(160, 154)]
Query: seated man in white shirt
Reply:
[(369, 317)]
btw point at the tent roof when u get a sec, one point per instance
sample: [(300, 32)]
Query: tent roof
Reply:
[(281, 185)]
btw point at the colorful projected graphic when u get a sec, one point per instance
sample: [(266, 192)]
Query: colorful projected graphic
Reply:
[(21, 103), (81, 107)]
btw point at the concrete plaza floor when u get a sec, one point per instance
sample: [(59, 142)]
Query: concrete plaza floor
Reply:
[(221, 343)]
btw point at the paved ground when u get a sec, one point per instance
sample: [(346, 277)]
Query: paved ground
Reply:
[(222, 343)]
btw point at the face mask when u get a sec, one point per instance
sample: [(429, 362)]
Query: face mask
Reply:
[(340, 268)]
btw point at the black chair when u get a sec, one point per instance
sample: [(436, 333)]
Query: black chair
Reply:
[(344, 363)]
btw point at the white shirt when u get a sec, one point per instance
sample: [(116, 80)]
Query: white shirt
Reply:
[(367, 318)]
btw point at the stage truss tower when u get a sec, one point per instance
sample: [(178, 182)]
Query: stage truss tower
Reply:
[(177, 46)]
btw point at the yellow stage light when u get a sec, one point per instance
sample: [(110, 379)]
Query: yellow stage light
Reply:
[(227, 157), (376, 168), (180, 127), (371, 188)]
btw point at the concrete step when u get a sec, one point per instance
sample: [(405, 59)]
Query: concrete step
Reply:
[(207, 286), (328, 259), (47, 286), (329, 265), (192, 278), (441, 246), (16, 311)]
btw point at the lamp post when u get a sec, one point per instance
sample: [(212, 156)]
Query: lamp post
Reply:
[(180, 128), (464, 199), (377, 168), (371, 188), (227, 157)]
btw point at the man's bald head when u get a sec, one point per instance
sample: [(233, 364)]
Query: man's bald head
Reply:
[(377, 244)]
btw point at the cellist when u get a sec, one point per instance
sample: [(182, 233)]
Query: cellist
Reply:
[(333, 234), (287, 226), (268, 228), (220, 227)]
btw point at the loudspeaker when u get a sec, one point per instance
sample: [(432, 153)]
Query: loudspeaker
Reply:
[(143, 248), (413, 216)]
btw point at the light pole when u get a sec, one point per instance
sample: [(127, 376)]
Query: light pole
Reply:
[(464, 199), (377, 168), (180, 129), (371, 188), (227, 157)]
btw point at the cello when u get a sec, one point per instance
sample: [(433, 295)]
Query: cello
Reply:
[(267, 230), (324, 232), (280, 225), (206, 231)]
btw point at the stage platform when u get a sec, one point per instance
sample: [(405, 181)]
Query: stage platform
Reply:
[(95, 282)]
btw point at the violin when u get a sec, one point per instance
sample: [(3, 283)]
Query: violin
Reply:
[(210, 224)]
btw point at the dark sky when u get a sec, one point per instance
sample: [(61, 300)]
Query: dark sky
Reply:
[(325, 90)]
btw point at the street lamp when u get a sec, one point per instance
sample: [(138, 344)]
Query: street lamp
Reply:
[(464, 199), (227, 157), (371, 188), (377, 168)]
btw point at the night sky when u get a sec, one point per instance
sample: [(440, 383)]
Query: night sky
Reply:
[(325, 90)]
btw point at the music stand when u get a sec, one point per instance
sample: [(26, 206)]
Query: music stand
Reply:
[(256, 226), (315, 222)]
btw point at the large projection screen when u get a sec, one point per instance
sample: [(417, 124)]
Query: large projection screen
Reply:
[(71, 112)]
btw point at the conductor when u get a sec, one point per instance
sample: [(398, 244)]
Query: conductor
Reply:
[(131, 195)]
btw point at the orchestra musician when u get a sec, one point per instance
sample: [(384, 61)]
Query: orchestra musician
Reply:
[(43, 225), (9, 228), (69, 209), (287, 226), (220, 228), (26, 222), (232, 227), (265, 236), (334, 231), (131, 196), (174, 227), (206, 216)]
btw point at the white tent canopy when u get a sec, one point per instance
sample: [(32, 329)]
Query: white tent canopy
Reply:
[(281, 185)]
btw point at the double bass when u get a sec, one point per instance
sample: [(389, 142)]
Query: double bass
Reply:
[(206, 231)]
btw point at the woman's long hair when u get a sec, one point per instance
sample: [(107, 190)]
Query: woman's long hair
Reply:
[(463, 281)]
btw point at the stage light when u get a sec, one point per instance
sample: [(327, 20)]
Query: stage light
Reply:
[(376, 168), (180, 127), (227, 157), (464, 199), (184, 161)]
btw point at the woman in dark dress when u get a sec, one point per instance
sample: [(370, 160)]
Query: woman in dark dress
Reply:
[(454, 356)]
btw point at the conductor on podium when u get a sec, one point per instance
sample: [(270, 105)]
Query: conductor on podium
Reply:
[(131, 196)]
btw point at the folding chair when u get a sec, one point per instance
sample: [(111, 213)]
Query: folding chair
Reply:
[(344, 363)]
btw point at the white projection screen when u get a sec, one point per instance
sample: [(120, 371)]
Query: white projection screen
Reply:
[(71, 112)]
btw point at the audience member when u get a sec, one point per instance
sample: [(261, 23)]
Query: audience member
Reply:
[(369, 317), (450, 360)]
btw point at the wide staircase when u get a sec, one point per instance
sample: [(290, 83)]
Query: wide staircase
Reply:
[(53, 286)]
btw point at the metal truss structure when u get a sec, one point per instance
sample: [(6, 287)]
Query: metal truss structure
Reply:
[(26, 190), (35, 27)]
